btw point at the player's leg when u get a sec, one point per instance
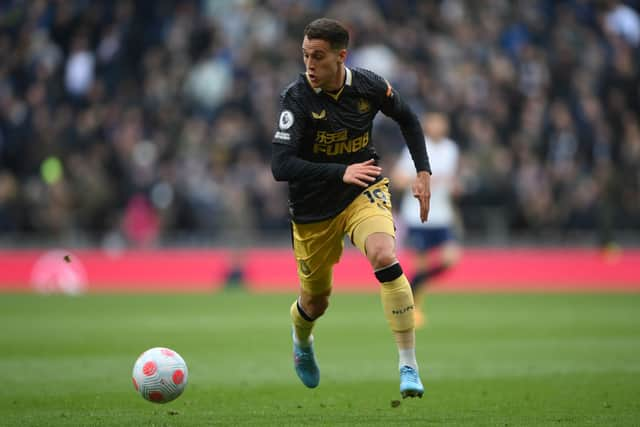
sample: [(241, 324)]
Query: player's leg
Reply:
[(317, 248), (426, 241), (305, 310), (398, 306), (417, 240), (436, 252), (449, 255), (370, 226), (304, 313)]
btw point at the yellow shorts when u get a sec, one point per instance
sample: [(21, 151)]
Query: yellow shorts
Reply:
[(318, 246)]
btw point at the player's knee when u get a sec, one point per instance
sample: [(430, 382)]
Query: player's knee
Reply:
[(315, 306), (318, 306), (381, 256), (451, 261), (380, 250), (451, 256)]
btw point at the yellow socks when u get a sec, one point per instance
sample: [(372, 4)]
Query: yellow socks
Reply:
[(398, 306), (397, 298), (302, 324)]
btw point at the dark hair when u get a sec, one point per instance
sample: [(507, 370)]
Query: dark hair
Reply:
[(329, 30)]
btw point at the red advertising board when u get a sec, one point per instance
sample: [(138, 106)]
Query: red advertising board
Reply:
[(187, 270)]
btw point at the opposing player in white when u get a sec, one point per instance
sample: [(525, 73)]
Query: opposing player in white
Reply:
[(434, 242)]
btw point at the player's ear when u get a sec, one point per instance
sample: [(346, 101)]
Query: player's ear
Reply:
[(342, 55)]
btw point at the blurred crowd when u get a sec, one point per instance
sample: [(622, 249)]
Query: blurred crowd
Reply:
[(130, 121)]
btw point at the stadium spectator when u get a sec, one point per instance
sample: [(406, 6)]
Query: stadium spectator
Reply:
[(149, 95)]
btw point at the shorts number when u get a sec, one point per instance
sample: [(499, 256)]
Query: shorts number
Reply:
[(376, 194)]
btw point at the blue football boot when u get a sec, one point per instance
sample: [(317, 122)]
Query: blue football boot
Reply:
[(305, 364), (410, 384)]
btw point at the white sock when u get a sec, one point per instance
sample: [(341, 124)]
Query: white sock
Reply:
[(301, 343), (407, 357)]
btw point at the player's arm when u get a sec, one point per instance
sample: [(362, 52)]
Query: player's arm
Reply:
[(393, 106), (287, 166)]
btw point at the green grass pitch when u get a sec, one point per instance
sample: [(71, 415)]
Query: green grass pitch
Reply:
[(485, 359)]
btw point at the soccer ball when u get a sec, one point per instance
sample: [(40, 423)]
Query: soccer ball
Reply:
[(160, 375)]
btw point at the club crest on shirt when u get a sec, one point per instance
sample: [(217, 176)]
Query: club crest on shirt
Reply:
[(286, 120), (363, 105)]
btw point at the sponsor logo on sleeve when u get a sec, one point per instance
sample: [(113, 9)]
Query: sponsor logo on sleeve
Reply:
[(285, 136), (286, 120)]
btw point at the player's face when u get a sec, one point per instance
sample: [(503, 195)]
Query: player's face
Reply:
[(436, 126), (322, 63)]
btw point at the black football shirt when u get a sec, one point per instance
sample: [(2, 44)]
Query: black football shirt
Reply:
[(320, 133)]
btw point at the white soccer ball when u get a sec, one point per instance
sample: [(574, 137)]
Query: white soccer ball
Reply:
[(160, 375)]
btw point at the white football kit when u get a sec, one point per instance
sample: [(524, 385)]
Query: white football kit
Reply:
[(444, 165)]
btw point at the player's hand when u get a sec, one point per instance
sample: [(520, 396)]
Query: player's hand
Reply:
[(362, 174), (422, 191)]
